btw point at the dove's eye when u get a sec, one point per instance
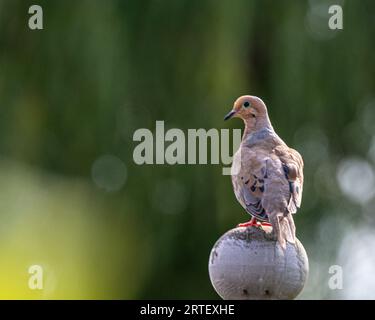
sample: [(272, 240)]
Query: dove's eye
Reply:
[(246, 104)]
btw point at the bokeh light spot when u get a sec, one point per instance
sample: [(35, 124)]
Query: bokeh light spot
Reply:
[(356, 179), (109, 173), (317, 20), (169, 197), (357, 256), (312, 143)]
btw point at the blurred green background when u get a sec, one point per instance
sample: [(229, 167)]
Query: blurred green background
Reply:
[(71, 96)]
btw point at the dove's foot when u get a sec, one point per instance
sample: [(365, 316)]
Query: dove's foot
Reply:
[(247, 224), (253, 223)]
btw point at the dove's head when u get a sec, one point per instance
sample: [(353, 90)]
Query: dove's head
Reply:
[(252, 110)]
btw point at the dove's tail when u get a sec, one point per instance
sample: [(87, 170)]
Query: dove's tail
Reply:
[(283, 228)]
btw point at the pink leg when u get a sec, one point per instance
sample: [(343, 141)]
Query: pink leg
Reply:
[(254, 223), (251, 223)]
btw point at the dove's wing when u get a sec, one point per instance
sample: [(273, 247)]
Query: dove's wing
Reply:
[(248, 176), (293, 169)]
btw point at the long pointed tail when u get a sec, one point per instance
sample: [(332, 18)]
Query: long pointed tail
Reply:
[(283, 228)]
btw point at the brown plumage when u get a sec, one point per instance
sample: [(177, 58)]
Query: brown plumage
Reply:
[(267, 175)]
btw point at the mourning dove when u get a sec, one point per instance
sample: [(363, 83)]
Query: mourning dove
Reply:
[(267, 175)]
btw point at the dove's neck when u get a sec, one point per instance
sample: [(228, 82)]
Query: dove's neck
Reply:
[(255, 125)]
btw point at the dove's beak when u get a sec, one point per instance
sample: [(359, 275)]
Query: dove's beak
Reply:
[(230, 115)]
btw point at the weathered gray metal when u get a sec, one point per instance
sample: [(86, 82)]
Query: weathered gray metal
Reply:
[(247, 263)]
